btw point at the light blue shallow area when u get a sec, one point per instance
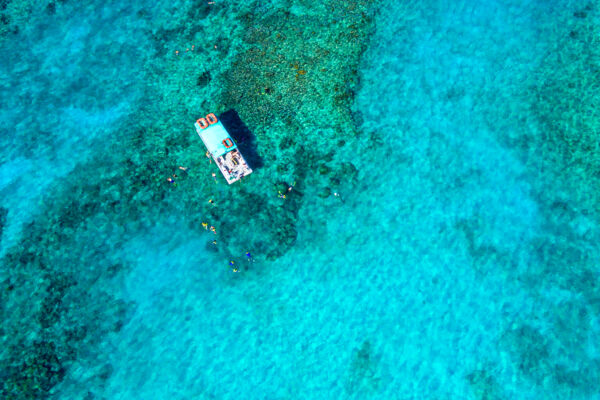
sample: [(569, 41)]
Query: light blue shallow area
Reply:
[(417, 285)]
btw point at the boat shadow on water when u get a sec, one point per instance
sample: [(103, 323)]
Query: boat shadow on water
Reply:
[(244, 138)]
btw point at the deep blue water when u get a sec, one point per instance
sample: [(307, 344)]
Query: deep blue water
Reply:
[(459, 263)]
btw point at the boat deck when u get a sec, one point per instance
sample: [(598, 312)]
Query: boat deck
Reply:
[(233, 166)]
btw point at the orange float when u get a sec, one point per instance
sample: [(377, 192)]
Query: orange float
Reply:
[(211, 118), (203, 123)]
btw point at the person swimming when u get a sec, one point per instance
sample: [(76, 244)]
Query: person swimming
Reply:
[(232, 265), (283, 194)]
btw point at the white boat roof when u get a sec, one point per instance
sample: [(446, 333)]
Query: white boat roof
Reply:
[(213, 137)]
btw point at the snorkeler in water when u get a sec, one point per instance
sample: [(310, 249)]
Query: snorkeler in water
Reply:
[(288, 190), (233, 267)]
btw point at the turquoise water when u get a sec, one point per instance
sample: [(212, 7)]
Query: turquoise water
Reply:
[(440, 240)]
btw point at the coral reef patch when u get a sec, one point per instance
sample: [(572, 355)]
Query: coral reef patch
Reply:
[(485, 386), (364, 376)]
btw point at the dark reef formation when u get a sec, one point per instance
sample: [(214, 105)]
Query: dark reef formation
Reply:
[(3, 216), (485, 386), (364, 376)]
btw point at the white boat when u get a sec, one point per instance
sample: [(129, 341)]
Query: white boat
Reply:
[(222, 148)]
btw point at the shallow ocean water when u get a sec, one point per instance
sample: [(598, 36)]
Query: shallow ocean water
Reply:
[(459, 260)]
